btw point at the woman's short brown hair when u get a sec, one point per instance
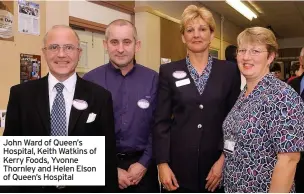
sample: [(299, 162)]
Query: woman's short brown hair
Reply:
[(259, 35), (192, 12)]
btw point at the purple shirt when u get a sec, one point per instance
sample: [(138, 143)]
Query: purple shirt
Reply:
[(134, 98)]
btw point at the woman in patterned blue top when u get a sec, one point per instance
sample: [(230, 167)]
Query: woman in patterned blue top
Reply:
[(263, 133)]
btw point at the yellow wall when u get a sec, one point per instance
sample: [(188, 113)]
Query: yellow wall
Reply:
[(10, 54), (148, 29), (57, 12)]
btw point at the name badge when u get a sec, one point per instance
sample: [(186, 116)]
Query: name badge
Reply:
[(182, 82), (229, 146)]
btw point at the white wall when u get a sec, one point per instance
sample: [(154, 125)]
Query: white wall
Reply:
[(95, 13)]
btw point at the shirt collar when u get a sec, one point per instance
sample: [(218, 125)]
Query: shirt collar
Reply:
[(192, 70), (265, 81), (69, 84), (116, 70)]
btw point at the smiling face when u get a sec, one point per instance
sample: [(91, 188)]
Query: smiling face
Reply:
[(197, 35), (254, 60), (62, 63), (121, 45)]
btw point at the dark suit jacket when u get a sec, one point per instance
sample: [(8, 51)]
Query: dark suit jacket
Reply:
[(296, 83), (28, 114), (299, 177), (188, 126)]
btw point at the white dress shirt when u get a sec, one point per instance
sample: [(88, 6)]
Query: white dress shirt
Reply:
[(68, 93)]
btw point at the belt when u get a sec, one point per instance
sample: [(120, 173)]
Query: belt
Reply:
[(129, 155)]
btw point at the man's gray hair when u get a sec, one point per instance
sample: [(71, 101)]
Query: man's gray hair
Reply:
[(121, 22), (61, 26)]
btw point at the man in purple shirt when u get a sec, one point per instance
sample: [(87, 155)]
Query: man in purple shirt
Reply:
[(133, 88)]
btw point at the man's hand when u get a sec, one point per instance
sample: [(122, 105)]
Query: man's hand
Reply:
[(137, 172), (124, 178), (215, 174), (167, 177)]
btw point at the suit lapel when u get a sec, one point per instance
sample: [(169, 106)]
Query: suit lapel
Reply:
[(44, 104), (192, 86), (81, 94)]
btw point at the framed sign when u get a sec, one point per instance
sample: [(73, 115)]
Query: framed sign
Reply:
[(83, 62), (214, 53)]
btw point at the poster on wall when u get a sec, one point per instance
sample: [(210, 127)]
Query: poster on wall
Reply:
[(30, 67), (6, 20), (2, 118), (28, 17)]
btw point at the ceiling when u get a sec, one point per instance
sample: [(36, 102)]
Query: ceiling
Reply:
[(286, 18)]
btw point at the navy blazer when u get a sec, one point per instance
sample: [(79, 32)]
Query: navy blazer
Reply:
[(296, 84), (188, 126)]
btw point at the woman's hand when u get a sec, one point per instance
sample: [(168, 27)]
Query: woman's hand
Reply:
[(215, 174), (167, 177)]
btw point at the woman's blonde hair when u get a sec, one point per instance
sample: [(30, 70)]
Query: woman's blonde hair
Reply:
[(259, 35), (192, 12)]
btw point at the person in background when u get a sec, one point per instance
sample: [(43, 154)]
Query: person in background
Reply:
[(230, 55), (44, 107), (133, 88), (298, 85), (276, 70), (194, 96), (296, 70), (264, 131)]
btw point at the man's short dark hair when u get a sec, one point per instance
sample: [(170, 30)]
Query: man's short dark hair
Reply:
[(294, 67), (275, 67)]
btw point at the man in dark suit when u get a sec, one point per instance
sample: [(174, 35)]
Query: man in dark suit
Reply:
[(298, 85), (62, 104)]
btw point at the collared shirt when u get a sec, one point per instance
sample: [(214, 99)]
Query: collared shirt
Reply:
[(68, 93), (134, 98), (200, 80), (266, 122)]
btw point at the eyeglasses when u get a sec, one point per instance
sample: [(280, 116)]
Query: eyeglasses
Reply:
[(252, 52), (67, 48)]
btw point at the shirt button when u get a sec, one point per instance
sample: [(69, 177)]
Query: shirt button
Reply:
[(201, 106), (199, 126)]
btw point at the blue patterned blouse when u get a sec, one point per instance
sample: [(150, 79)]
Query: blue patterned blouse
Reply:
[(200, 81), (266, 122)]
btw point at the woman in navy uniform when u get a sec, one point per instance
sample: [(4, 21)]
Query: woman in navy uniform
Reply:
[(194, 96)]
